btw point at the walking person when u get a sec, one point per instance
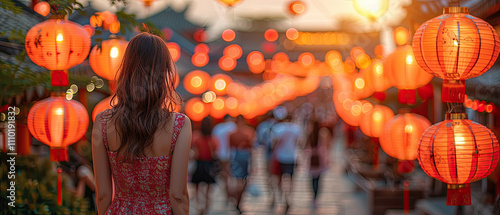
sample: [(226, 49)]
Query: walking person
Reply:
[(205, 155), (317, 144), (140, 142), (286, 136), (220, 134), (241, 142)]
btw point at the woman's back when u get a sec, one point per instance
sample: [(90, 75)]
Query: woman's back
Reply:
[(142, 186)]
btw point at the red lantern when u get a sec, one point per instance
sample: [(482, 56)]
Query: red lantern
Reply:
[(456, 46), (457, 152), (57, 45), (362, 88), (377, 77), (218, 110), (401, 135), (228, 35), (405, 74), (43, 8), (349, 110), (196, 82), (200, 59), (374, 121), (296, 8), (107, 60), (102, 106)]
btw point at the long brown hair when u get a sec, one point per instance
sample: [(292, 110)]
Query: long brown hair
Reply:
[(145, 93)]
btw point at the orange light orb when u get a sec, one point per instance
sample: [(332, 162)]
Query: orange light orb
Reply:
[(196, 82), (95, 21), (202, 47), (228, 35), (107, 60), (268, 47), (175, 51), (401, 135), (373, 122), (227, 63), (114, 28), (361, 87), (200, 59), (42, 8), (218, 110), (296, 8), (306, 59), (271, 35), (351, 111), (233, 51), (356, 51), (401, 35), (57, 44), (58, 122), (196, 109), (380, 51), (363, 61), (200, 35), (219, 83), (292, 34), (232, 106), (457, 152), (255, 61)]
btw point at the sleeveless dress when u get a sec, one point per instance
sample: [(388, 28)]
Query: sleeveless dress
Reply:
[(141, 186)]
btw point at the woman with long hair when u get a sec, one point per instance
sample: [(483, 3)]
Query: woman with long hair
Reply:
[(141, 146)]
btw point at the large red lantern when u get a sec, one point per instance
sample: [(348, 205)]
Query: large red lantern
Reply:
[(196, 109), (457, 152), (377, 77), (405, 74), (106, 60), (456, 46), (374, 121), (57, 45), (401, 135), (362, 88), (196, 82), (219, 84), (58, 123)]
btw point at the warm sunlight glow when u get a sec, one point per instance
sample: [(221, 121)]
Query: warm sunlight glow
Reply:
[(114, 52)]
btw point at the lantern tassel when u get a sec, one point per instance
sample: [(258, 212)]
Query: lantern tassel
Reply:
[(59, 78), (59, 186), (407, 96), (458, 194), (406, 197), (381, 96), (453, 91), (58, 154)]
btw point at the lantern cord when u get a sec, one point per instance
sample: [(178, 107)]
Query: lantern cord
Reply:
[(455, 107)]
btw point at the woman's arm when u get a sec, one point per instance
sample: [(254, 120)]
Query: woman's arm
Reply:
[(178, 182), (102, 170)]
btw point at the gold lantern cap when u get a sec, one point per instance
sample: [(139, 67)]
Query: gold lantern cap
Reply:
[(452, 10), (453, 116)]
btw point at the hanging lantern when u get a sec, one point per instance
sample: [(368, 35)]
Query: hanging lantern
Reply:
[(349, 110), (377, 77), (57, 45), (457, 152), (196, 82), (102, 106), (196, 109), (374, 121), (106, 60), (456, 46), (229, 3), (400, 137), (405, 74), (362, 88), (219, 84), (218, 110), (58, 123), (42, 8), (296, 8)]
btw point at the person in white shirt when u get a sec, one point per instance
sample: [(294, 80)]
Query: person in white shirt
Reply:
[(286, 136), (220, 133)]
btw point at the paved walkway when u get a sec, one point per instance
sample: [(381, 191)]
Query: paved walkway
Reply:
[(338, 195)]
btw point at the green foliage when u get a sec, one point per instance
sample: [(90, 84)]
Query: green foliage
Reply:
[(36, 189), (65, 7), (9, 5)]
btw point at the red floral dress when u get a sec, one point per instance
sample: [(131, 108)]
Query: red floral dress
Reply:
[(142, 186)]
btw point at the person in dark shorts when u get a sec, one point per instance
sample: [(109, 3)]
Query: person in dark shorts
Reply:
[(204, 147)]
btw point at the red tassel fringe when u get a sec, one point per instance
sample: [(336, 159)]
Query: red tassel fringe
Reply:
[(59, 186), (458, 194), (407, 97), (59, 78), (406, 166), (381, 96), (453, 91), (58, 154)]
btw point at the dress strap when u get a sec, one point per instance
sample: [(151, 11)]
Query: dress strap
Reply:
[(103, 129), (178, 124)]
